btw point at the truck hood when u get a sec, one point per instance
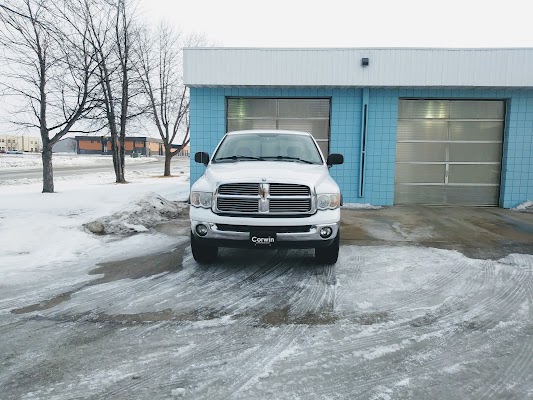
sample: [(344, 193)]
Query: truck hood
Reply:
[(270, 171)]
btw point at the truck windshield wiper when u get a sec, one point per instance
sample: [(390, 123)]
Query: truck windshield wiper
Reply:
[(281, 158), (236, 158)]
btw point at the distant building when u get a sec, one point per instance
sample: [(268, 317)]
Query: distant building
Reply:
[(25, 143), (66, 145), (142, 145), (186, 151)]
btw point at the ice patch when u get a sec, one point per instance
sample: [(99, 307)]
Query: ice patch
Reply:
[(381, 351), (384, 394), (453, 369), (404, 382), (364, 305), (178, 392)]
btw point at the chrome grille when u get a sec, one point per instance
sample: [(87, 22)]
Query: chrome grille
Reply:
[(294, 205), (238, 205), (264, 199), (288, 189), (239, 189)]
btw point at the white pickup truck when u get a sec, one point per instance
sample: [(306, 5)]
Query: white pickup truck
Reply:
[(266, 189)]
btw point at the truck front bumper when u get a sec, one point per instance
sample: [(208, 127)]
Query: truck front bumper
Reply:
[(223, 231)]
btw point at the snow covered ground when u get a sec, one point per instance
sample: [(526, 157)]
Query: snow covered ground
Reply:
[(29, 160), (42, 233), (133, 316)]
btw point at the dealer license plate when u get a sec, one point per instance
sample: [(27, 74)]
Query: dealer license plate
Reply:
[(263, 239)]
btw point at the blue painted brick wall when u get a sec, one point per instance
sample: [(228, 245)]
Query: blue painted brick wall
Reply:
[(208, 126)]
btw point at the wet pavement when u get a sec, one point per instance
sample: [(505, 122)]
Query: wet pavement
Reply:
[(424, 303), (477, 232)]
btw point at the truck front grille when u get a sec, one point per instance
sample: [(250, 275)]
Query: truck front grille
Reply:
[(238, 205), (289, 189), (295, 205), (239, 189), (264, 199)]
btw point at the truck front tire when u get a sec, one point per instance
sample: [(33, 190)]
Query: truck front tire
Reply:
[(330, 254), (201, 252)]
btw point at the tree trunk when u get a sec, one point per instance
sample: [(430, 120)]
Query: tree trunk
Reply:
[(168, 159), (48, 172), (118, 159), (122, 157)]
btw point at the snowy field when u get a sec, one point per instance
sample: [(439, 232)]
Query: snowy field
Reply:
[(131, 315), (29, 160)]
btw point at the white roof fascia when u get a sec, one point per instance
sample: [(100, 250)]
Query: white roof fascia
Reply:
[(388, 67)]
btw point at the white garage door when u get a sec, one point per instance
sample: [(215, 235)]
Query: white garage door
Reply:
[(449, 152), (307, 115)]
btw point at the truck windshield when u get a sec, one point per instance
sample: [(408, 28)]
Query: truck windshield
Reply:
[(268, 147)]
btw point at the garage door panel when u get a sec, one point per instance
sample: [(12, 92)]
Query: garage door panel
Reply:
[(323, 145), (418, 152), (317, 127), (309, 115), (258, 108), (424, 109), (476, 130), (420, 173), (243, 124), (473, 195), (477, 109), (304, 108), (484, 174), (446, 194), (422, 130), (449, 152), (419, 194), (475, 152)]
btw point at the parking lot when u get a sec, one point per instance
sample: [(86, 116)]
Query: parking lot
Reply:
[(424, 303)]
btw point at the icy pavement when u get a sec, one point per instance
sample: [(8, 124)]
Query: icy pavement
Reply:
[(386, 322), (135, 317)]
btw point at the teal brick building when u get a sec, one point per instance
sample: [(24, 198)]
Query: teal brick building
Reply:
[(416, 126)]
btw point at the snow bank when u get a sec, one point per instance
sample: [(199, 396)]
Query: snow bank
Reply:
[(42, 236), (526, 206), (138, 217), (360, 206)]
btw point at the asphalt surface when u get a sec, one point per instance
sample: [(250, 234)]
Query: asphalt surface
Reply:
[(424, 303)]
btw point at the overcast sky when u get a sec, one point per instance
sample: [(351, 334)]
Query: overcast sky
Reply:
[(357, 23), (342, 23)]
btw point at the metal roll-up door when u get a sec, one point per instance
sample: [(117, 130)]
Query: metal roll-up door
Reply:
[(307, 115), (449, 152)]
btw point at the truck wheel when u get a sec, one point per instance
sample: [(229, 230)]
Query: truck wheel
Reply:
[(202, 253), (330, 254)]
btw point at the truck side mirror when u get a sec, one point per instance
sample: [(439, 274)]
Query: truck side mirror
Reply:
[(202, 157), (335, 159)]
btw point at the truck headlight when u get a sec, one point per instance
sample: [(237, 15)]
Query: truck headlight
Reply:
[(328, 201), (201, 199)]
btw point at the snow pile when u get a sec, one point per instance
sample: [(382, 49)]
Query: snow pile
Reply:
[(360, 206), (147, 212), (526, 206)]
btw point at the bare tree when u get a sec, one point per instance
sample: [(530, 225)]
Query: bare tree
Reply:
[(50, 64), (112, 26), (160, 69)]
